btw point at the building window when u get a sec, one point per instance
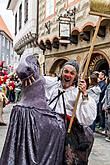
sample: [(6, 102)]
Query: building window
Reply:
[(3, 42), (15, 23), (8, 44), (25, 11), (3, 56), (50, 7), (7, 59), (20, 16)]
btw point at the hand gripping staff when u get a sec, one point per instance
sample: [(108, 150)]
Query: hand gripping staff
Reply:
[(99, 8)]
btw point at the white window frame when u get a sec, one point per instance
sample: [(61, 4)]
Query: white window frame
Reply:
[(50, 8), (3, 41)]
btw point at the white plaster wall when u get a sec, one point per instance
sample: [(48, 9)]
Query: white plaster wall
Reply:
[(30, 25)]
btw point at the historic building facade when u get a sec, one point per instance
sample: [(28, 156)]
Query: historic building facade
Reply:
[(26, 24), (38, 24), (57, 52), (6, 46)]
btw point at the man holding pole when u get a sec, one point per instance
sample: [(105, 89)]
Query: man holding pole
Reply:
[(61, 95), (84, 107)]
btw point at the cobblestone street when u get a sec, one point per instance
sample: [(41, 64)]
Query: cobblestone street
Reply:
[(100, 153)]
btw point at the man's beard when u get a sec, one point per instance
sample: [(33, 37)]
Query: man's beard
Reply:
[(66, 83)]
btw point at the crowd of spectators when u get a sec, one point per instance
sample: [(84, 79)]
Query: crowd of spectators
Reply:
[(9, 91)]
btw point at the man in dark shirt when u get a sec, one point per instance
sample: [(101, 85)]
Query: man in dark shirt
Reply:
[(103, 86)]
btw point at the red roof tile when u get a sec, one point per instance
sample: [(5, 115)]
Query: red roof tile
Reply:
[(4, 28)]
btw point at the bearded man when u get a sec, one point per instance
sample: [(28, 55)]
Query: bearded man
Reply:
[(61, 95)]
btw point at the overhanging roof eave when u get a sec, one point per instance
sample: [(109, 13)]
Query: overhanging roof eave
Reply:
[(8, 4), (11, 4)]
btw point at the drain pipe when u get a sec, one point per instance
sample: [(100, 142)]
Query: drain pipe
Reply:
[(37, 23)]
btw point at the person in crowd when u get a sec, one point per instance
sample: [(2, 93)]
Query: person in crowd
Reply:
[(86, 108), (94, 91), (3, 98), (3, 102), (106, 108), (18, 88), (4, 78), (96, 73), (4, 88), (11, 89), (102, 84), (4, 91)]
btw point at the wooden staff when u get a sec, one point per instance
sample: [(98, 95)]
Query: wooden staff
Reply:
[(85, 70)]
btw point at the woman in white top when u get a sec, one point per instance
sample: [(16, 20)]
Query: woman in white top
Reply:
[(94, 91)]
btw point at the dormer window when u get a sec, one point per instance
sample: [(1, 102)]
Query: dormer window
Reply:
[(25, 11), (20, 16), (15, 23)]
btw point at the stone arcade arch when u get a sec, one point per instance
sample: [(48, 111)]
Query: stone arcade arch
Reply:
[(99, 61), (56, 66)]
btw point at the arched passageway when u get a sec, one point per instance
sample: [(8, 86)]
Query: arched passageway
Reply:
[(56, 66), (102, 65), (98, 62)]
